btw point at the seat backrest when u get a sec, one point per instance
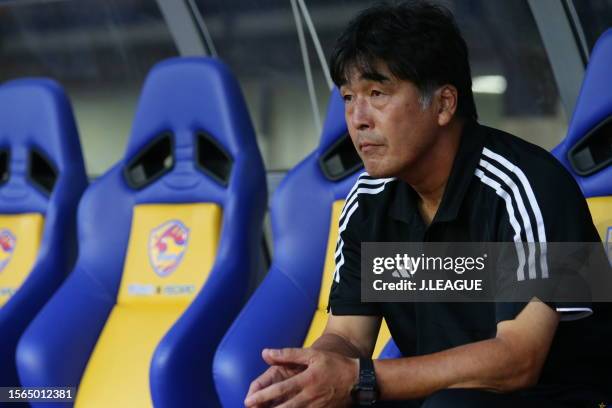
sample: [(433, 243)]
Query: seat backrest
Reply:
[(189, 190), (39, 150), (586, 151), (329, 174), (288, 309), (42, 177)]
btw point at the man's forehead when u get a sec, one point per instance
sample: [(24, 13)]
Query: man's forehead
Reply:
[(374, 73)]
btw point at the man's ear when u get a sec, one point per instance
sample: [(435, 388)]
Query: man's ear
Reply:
[(448, 98)]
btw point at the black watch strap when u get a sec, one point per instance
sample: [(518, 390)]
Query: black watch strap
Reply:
[(365, 392), (366, 371)]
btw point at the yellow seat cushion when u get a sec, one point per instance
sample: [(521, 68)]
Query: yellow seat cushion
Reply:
[(171, 250), (20, 236), (320, 317), (117, 374), (601, 211)]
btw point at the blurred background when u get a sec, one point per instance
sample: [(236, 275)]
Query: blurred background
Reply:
[(101, 50)]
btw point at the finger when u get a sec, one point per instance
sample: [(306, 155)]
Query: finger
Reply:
[(263, 380), (271, 395), (276, 402), (298, 401), (275, 391), (287, 356)]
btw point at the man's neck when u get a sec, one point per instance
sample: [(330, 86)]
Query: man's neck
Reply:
[(430, 176)]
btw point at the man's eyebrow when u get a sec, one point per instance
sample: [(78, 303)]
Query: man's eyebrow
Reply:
[(375, 76), (366, 76)]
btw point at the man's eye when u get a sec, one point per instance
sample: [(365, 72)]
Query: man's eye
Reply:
[(347, 98), (376, 92)]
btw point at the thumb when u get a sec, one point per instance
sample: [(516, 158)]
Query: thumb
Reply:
[(287, 356)]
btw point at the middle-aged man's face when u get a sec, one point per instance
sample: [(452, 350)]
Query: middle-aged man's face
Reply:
[(387, 122)]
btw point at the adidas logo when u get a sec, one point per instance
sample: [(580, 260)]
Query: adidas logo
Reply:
[(401, 273)]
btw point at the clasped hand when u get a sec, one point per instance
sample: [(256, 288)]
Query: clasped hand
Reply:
[(300, 377)]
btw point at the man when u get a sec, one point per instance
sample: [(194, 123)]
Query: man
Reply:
[(434, 174)]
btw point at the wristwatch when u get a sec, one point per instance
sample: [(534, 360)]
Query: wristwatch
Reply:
[(365, 392)]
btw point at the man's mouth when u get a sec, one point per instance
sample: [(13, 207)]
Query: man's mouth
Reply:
[(367, 147)]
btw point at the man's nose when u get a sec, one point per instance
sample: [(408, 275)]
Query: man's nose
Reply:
[(360, 116)]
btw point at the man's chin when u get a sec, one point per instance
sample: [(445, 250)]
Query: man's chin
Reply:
[(377, 172)]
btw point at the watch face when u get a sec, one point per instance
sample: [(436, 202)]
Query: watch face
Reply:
[(366, 396)]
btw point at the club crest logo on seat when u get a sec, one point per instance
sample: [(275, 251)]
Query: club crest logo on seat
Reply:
[(167, 246), (7, 247)]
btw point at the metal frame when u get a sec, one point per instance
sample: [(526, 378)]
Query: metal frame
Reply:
[(572, 15), (184, 24), (307, 69), (564, 49)]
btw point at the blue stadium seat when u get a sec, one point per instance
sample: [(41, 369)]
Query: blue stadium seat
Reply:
[(169, 237), (42, 177), (288, 309), (586, 151)]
